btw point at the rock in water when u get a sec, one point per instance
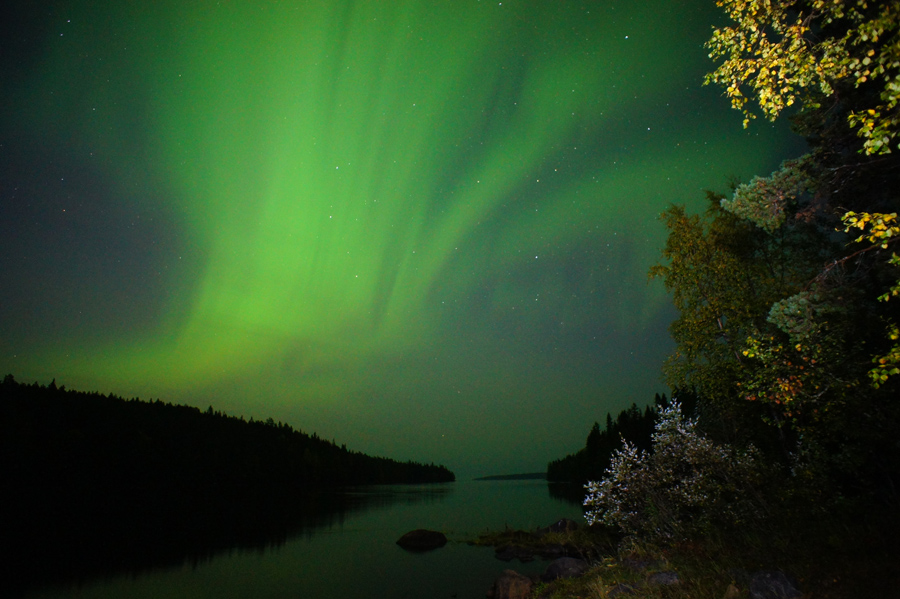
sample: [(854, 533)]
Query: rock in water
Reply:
[(511, 585), (563, 525), (565, 567), (422, 540)]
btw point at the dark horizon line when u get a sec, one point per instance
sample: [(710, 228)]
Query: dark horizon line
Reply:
[(525, 476)]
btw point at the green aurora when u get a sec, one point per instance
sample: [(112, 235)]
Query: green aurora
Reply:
[(420, 227)]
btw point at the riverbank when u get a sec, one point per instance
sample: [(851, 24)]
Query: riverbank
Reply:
[(828, 562)]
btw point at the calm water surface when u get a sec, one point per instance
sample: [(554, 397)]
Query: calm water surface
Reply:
[(355, 556)]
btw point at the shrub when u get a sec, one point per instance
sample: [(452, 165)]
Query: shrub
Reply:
[(687, 485)]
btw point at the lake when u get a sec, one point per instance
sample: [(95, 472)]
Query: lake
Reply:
[(351, 552)]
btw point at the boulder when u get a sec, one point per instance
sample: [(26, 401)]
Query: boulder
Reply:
[(565, 567), (511, 585), (564, 525), (422, 540), (773, 585)]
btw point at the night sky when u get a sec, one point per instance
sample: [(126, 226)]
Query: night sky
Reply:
[(419, 227)]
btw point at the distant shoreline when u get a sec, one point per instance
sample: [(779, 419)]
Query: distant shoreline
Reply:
[(527, 476)]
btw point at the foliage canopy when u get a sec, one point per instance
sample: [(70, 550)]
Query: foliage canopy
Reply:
[(778, 303), (783, 51)]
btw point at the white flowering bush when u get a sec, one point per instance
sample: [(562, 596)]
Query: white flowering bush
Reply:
[(687, 485)]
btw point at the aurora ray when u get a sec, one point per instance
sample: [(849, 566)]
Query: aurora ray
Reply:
[(385, 198)]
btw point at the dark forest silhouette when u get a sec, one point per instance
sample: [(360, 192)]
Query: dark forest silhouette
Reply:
[(632, 424), (97, 479)]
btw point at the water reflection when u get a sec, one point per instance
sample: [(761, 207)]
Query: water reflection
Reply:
[(79, 552), (338, 545), (568, 492), (386, 495)]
